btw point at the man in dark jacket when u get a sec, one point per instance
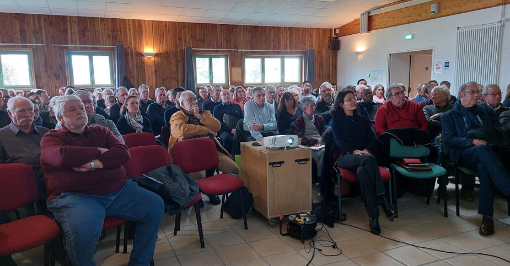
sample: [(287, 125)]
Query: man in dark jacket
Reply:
[(121, 93), (226, 107), (475, 153)]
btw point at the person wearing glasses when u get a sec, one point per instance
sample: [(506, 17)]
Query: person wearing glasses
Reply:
[(399, 112), (354, 137), (491, 93), (367, 101), (325, 103), (476, 153)]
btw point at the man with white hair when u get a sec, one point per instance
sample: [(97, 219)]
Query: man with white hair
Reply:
[(491, 93), (326, 101), (48, 116), (156, 111), (143, 91), (19, 141), (121, 93), (86, 182), (271, 97)]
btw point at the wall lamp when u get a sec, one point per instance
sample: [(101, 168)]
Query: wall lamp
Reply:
[(149, 54), (360, 50)]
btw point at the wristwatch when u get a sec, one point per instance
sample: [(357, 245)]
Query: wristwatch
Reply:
[(92, 165), (200, 117)]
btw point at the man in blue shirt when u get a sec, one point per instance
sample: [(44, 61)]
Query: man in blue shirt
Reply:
[(226, 107), (259, 117)]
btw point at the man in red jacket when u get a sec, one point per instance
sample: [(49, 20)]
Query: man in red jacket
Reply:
[(86, 182), (399, 112)]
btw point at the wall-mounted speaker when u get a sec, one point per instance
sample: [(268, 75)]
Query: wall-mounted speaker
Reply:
[(335, 44)]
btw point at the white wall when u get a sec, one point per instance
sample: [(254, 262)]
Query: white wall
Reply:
[(437, 34)]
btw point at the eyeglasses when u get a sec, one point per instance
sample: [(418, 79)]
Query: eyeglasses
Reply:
[(190, 100), (494, 94), (474, 92), (88, 102), (398, 94)]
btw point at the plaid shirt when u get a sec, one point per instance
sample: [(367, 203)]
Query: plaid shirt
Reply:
[(299, 129)]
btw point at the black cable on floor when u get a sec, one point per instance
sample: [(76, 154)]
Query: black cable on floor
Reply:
[(433, 249)]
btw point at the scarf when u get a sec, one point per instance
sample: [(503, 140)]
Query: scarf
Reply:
[(136, 123), (471, 118)]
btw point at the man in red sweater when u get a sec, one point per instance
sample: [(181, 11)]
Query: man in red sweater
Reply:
[(86, 182), (399, 112)]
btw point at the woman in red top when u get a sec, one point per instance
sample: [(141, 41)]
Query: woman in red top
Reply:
[(240, 97)]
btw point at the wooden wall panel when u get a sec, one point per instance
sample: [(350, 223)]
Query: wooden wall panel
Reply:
[(419, 12), (167, 39)]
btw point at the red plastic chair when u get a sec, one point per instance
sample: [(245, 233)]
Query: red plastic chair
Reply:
[(139, 139), (19, 187), (195, 155), (147, 158), (353, 177), (165, 134)]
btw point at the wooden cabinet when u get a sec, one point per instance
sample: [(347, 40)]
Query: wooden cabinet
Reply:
[(279, 179)]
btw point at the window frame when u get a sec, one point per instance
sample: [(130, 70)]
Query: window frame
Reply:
[(263, 74), (210, 57), (91, 55), (31, 73)]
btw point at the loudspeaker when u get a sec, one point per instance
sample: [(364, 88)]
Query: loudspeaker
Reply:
[(335, 44)]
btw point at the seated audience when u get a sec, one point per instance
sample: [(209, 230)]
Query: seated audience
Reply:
[(306, 90), (294, 90), (191, 123), (378, 93), (61, 91), (133, 92), (121, 93), (249, 93), (279, 92), (367, 102), (169, 100), (426, 90), (20, 93), (362, 110), (132, 120), (202, 96), (4, 116), (453, 99), (270, 96), (5, 98), (98, 94), (441, 105), (176, 93), (325, 103), (110, 101), (86, 182), (33, 96), (475, 153), (310, 127), (506, 102), (399, 112), (12, 93), (491, 93), (143, 92), (37, 117), (288, 112), (226, 132), (433, 83), (214, 100), (240, 97), (354, 137), (48, 117), (45, 99), (156, 111), (419, 93), (259, 118), (361, 82), (19, 141)]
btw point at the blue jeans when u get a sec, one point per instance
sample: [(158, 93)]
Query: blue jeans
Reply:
[(81, 218), (491, 172)]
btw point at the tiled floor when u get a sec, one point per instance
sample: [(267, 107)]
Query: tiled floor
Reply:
[(227, 243)]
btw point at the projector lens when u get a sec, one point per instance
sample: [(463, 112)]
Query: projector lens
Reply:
[(290, 141)]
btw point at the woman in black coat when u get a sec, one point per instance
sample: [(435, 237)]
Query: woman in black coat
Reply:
[(289, 112), (132, 120)]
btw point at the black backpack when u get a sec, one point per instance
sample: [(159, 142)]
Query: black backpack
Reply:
[(233, 203)]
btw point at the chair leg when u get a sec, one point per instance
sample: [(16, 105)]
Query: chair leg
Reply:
[(199, 225), (445, 179), (177, 226), (339, 191), (46, 254), (222, 201), (126, 225), (242, 209), (117, 239), (457, 193), (61, 243), (395, 207), (508, 205)]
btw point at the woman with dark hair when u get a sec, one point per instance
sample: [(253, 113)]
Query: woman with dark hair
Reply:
[(354, 136), (132, 120), (289, 112), (240, 97)]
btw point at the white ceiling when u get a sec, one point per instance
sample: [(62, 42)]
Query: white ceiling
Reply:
[(280, 13)]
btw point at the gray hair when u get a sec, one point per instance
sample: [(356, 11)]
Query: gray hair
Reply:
[(218, 86), (10, 103), (60, 103), (294, 90), (427, 88), (487, 87), (159, 89), (418, 89), (143, 86), (463, 86), (53, 99), (360, 87), (117, 90), (442, 89), (255, 89), (326, 84), (394, 86), (305, 102), (291, 87), (183, 94), (132, 89), (85, 93), (269, 87), (104, 91)]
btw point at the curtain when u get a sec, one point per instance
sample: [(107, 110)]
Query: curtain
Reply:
[(189, 70), (120, 65), (310, 66)]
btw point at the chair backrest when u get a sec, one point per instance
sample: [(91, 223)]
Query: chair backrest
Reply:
[(139, 139), (145, 159), (165, 134), (195, 155), (399, 151), (18, 186)]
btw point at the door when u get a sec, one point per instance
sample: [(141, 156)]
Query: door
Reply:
[(400, 66)]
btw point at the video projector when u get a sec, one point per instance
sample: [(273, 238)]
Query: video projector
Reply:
[(281, 141)]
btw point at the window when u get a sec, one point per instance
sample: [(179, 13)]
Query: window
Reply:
[(272, 69), (211, 69), (90, 69), (16, 69)]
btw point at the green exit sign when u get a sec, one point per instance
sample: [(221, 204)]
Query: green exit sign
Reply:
[(408, 37)]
